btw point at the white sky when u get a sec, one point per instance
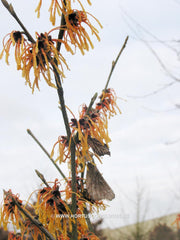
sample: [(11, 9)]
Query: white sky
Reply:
[(139, 135)]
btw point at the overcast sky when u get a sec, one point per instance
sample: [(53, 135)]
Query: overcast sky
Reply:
[(144, 137)]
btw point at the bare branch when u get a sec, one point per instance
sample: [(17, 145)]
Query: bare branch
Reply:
[(45, 151), (13, 13), (41, 176), (154, 92), (115, 62)]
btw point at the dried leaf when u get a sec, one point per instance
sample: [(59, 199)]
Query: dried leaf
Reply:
[(97, 147), (97, 187)]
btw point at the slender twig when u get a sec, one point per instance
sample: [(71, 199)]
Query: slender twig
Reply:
[(93, 99), (86, 213), (45, 151), (13, 13), (41, 176), (153, 92), (114, 62), (33, 220), (62, 102), (161, 62)]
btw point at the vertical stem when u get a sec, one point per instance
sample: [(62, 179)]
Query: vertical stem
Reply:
[(66, 122), (73, 175), (62, 102), (72, 149), (61, 32)]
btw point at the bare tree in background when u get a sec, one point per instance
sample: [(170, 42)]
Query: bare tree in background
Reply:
[(140, 204), (173, 45)]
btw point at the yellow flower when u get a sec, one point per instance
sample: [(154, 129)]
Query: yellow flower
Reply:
[(42, 57), (58, 7), (38, 8), (64, 149), (76, 33), (16, 39), (10, 211), (55, 7), (32, 230)]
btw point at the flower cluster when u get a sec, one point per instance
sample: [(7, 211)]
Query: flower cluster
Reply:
[(74, 31), (51, 208), (41, 56), (11, 213), (90, 131), (108, 103), (51, 211)]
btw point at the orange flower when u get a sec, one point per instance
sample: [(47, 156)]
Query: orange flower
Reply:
[(76, 33), (12, 236), (64, 153), (10, 211), (90, 131), (17, 40), (91, 124), (107, 103), (90, 236), (61, 237), (51, 210)]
